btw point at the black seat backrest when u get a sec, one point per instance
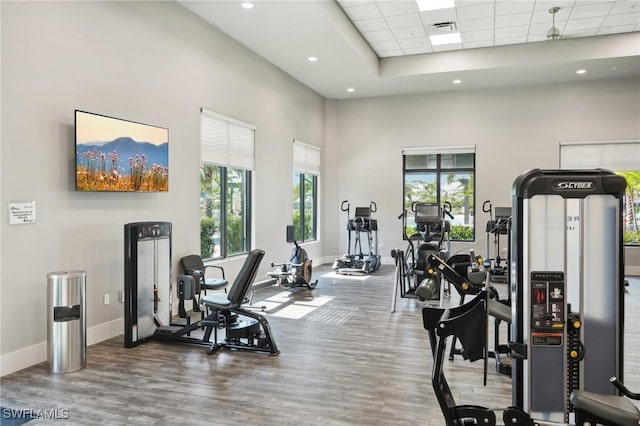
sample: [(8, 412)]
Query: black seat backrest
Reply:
[(247, 274), (193, 262)]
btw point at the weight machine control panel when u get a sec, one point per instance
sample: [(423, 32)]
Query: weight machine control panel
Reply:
[(547, 308), (154, 230)]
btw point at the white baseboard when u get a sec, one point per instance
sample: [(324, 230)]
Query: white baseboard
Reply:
[(35, 354)]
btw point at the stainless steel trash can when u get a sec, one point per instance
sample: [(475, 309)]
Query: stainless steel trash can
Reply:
[(66, 328)]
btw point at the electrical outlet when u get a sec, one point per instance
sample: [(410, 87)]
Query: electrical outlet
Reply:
[(105, 299)]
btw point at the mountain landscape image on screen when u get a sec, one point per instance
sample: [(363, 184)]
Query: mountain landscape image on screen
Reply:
[(122, 164)]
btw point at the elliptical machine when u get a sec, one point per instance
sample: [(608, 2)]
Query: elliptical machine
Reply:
[(355, 261), (298, 271), (497, 265)]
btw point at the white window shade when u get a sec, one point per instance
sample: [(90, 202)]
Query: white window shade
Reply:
[(225, 141), (465, 149), (306, 158), (615, 156)]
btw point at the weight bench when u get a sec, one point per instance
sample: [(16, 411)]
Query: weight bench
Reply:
[(245, 329)]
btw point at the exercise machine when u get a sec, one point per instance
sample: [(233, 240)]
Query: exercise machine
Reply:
[(498, 264), (567, 306), (355, 261), (412, 265), (567, 290), (298, 271), (148, 300)]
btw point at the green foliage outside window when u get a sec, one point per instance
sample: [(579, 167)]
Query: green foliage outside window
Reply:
[(631, 214)]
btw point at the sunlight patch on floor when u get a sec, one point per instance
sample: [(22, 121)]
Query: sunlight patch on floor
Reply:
[(345, 277), (285, 305)]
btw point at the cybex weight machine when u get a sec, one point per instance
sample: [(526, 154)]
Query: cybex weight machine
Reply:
[(567, 291)]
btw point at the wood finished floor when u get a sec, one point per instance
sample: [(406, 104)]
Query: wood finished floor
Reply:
[(345, 360)]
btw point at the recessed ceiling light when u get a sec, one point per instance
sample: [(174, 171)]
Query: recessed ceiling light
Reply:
[(247, 5), (312, 59), (450, 38), (424, 5), (457, 81), (581, 72), (351, 89)]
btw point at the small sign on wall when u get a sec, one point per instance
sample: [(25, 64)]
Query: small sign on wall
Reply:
[(22, 213)]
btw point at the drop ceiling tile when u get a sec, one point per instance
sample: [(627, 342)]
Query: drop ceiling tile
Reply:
[(467, 3), (476, 44), (412, 43), (434, 16), (542, 29), (512, 40), (513, 20), (546, 5), (409, 32), (473, 36), (374, 36), (367, 25), (418, 50), (591, 11), (510, 7), (582, 24), (616, 29), (403, 21), (390, 53), (544, 15), (384, 45), (351, 3), (625, 6), (474, 11), (512, 32), (394, 8), (532, 38), (445, 47), (367, 11), (623, 19), (588, 32), (476, 24)]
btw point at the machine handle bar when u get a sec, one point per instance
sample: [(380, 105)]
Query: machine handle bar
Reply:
[(373, 206), (623, 389), (342, 207), (484, 206)]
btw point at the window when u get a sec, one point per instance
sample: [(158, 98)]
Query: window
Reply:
[(306, 168), (621, 157), (226, 162), (439, 175)]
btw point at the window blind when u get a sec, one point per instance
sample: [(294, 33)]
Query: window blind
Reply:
[(306, 158), (465, 149), (614, 155), (226, 141)]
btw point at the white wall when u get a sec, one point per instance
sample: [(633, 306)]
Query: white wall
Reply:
[(514, 130), (154, 63)]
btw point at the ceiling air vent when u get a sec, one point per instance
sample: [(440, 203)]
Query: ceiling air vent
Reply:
[(443, 28)]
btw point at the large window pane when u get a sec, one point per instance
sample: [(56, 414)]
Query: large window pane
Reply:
[(224, 211), (236, 211), (305, 203), (427, 161), (457, 188), (442, 178), (309, 207), (210, 212)]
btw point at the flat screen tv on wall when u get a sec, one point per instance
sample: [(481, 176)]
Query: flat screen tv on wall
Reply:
[(116, 155)]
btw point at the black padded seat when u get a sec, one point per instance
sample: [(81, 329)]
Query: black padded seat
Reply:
[(194, 266), (238, 291), (615, 409)]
